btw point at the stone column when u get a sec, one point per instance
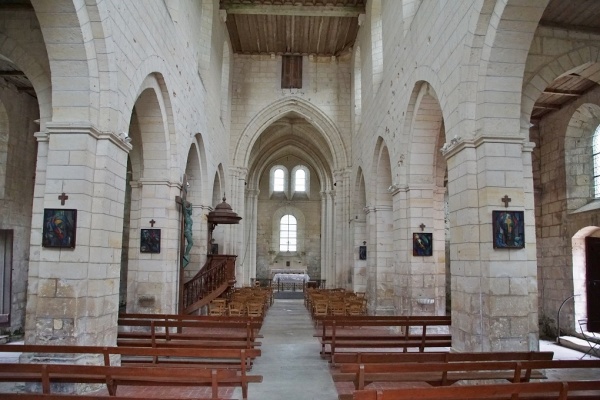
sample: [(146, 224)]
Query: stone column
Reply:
[(235, 237), (371, 286), (251, 212), (343, 244), (323, 235), (494, 291), (330, 245), (73, 293)]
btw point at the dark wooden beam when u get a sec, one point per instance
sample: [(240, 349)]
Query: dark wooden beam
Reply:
[(563, 92), (297, 11), (546, 106), (12, 73), (567, 27), (15, 7)]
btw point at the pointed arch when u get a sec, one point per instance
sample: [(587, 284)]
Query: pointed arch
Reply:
[(277, 110)]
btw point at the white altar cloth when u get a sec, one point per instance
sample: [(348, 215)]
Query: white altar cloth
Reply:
[(290, 278)]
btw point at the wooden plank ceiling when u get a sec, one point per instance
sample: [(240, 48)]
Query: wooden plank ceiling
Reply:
[(298, 27), (578, 16)]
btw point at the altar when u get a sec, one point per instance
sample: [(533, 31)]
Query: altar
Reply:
[(290, 278), (290, 281)]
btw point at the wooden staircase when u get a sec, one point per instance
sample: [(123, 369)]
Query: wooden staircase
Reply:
[(214, 278)]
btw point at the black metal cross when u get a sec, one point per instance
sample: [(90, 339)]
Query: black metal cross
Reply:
[(63, 197), (422, 226), (152, 222), (506, 200)]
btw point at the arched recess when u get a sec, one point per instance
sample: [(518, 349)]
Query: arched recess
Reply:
[(579, 168), (218, 196), (149, 183), (580, 266), (380, 281), (36, 72), (359, 233), (501, 86), (153, 117), (146, 76), (70, 19), (426, 172), (282, 108), (574, 61), (195, 171)]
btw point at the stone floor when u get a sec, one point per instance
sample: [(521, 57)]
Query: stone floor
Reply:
[(292, 368)]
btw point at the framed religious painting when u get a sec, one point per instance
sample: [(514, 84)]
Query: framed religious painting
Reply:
[(509, 229), (150, 241), (422, 244), (60, 228)]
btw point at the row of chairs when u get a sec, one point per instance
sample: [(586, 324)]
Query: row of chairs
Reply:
[(336, 302), (247, 301)]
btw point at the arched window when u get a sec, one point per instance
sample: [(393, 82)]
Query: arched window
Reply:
[(300, 181), (288, 238), (278, 180), (596, 161)]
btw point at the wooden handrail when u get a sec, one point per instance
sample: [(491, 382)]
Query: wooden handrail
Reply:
[(215, 277)]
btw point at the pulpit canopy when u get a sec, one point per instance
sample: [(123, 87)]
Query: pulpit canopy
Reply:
[(223, 214)]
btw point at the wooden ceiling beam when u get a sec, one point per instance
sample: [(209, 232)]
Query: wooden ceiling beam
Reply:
[(542, 106), (559, 92), (12, 73), (567, 27), (297, 11)]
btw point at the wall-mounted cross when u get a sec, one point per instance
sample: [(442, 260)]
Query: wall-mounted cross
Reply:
[(506, 200), (152, 222), (422, 226), (63, 197)]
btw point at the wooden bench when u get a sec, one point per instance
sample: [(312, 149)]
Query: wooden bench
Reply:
[(114, 376), (237, 360), (198, 318), (170, 333), (52, 396), (397, 357), (413, 332), (529, 390), (444, 374)]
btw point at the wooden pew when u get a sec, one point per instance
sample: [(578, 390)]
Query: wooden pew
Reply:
[(336, 337), (172, 333), (398, 357), (197, 318), (580, 390), (237, 360), (52, 396), (444, 374)]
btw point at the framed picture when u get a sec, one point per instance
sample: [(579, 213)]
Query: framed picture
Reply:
[(362, 252), (59, 228), (509, 229), (422, 244), (150, 241)]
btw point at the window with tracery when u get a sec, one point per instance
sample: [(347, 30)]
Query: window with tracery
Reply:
[(288, 233)]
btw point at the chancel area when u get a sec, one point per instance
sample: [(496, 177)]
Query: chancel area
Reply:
[(440, 157)]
